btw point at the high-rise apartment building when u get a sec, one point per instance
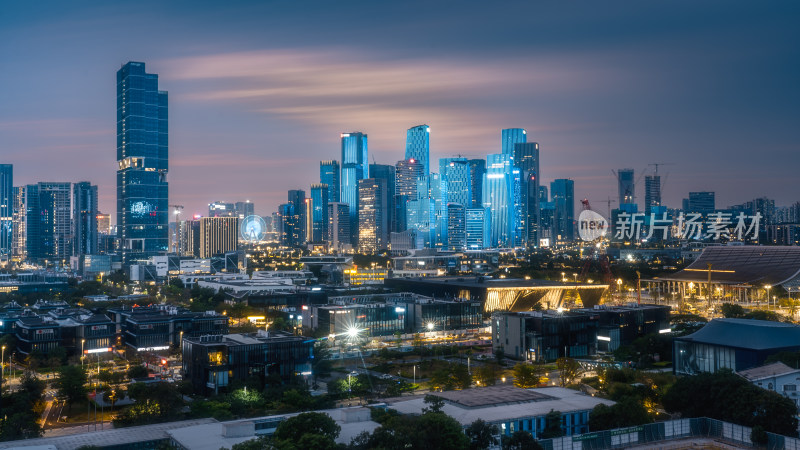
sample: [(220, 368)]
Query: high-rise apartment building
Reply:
[(498, 196), (6, 212), (438, 193), (329, 173), (408, 177), (338, 225), (456, 174), (319, 213), (477, 169), (563, 194), (218, 235), (142, 157), (478, 228), (652, 192), (49, 221), (626, 186), (373, 224), (19, 249), (511, 137), (103, 223), (189, 238), (418, 146), (84, 219), (355, 167), (456, 227), (526, 158)]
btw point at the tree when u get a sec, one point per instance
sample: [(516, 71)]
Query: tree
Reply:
[(626, 413), (434, 402), (527, 375), (307, 430), (520, 440), (568, 370), (486, 375), (71, 385), (552, 425), (732, 311), (482, 435), (726, 396), (137, 371), (430, 430)]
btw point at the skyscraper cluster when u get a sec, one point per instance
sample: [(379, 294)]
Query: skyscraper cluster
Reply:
[(467, 204)]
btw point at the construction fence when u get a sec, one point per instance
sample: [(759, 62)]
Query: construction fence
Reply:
[(646, 435)]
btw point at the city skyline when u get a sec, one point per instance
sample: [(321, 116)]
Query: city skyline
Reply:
[(254, 109)]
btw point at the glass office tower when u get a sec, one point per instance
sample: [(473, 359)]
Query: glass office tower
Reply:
[(84, 219), (499, 185), (319, 214), (563, 195), (511, 137), (627, 186), (355, 167), (49, 221), (477, 169), (418, 143), (6, 211), (526, 158), (329, 174), (455, 172), (142, 157)]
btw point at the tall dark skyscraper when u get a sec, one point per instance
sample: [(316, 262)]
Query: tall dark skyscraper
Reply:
[(355, 167), (329, 173), (6, 211), (142, 157), (652, 192), (49, 221), (477, 169), (627, 186), (418, 146), (386, 172), (244, 210), (84, 219), (701, 202), (294, 225), (526, 158), (373, 226), (563, 192)]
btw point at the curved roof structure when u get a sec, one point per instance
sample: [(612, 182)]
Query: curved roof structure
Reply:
[(744, 265), (747, 333)]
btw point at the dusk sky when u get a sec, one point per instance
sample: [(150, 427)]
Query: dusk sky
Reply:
[(259, 91)]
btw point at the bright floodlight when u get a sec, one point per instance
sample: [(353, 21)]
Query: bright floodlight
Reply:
[(352, 332), (430, 325)]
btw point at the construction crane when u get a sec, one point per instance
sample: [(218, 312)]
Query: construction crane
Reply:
[(659, 164), (608, 201), (595, 253)]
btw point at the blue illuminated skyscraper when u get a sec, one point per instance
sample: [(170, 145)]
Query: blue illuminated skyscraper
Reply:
[(319, 212), (354, 168), (511, 137), (142, 158), (329, 173), (455, 172), (499, 185), (477, 169), (6, 211), (418, 146), (526, 158), (563, 194), (84, 219)]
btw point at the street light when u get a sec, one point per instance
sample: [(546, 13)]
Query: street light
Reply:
[(83, 341), (768, 287), (3, 364)]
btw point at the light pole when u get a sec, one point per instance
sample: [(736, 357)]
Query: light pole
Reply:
[(768, 287), (3, 364), (83, 341)]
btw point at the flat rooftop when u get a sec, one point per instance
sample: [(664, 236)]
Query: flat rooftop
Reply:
[(492, 396), (510, 403)]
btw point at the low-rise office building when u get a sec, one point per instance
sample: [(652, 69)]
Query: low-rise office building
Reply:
[(510, 408), (545, 335), (159, 328), (735, 344), (776, 377), (621, 325), (211, 363)]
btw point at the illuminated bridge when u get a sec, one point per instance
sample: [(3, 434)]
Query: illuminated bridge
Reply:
[(500, 294)]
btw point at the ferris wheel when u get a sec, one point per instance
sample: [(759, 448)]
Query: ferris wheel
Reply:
[(253, 229)]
